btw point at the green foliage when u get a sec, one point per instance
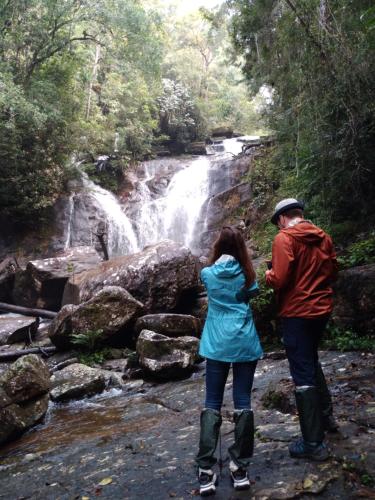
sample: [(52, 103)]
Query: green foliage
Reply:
[(314, 60), (359, 253), (347, 340), (96, 357), (264, 301), (89, 340)]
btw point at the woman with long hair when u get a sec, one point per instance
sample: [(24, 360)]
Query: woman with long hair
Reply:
[(229, 338)]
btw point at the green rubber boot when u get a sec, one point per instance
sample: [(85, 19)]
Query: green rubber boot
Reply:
[(329, 423), (209, 435), (311, 422), (242, 449)]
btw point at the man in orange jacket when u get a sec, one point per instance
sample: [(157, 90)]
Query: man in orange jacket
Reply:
[(303, 267)]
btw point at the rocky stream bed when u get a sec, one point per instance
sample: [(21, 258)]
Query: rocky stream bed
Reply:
[(140, 441)]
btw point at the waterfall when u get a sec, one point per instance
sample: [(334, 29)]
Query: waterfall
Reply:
[(121, 238), (170, 200), (70, 220)]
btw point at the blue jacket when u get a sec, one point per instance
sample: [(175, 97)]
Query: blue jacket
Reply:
[(229, 332)]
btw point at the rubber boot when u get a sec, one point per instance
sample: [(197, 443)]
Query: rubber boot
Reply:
[(209, 435), (311, 422), (329, 423), (242, 449)]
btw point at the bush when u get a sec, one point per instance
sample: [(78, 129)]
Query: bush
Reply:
[(359, 253), (346, 340)]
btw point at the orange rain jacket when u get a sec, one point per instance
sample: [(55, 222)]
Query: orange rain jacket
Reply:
[(303, 267)]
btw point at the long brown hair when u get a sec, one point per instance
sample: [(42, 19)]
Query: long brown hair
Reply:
[(231, 242)]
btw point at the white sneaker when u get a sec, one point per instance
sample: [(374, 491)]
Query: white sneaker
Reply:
[(239, 477), (207, 482)]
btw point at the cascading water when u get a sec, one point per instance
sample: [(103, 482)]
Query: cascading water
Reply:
[(167, 202), (121, 238)]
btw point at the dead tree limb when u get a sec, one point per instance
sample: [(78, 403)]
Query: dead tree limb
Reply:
[(44, 351), (26, 311)]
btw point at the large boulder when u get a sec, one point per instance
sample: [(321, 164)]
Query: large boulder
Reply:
[(171, 325), (76, 381), (110, 311), (17, 328), (42, 283), (159, 277), (355, 299), (166, 358), (24, 388)]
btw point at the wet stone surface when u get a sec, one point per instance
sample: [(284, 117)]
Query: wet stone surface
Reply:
[(140, 443)]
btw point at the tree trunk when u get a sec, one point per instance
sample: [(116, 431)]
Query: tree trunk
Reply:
[(26, 311), (93, 78)]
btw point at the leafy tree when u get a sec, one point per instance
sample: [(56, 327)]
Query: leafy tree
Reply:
[(316, 56)]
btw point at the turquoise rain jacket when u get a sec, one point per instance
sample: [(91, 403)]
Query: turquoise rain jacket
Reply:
[(229, 332)]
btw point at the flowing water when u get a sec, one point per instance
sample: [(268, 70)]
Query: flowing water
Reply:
[(168, 204)]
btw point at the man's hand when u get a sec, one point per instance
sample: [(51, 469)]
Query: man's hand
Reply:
[(268, 272)]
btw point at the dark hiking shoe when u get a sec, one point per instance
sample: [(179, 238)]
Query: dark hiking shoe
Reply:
[(312, 451), (330, 424), (239, 477), (207, 482)]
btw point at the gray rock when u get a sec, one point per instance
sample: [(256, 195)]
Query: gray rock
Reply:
[(76, 381), (110, 311), (17, 328), (171, 325), (164, 357), (279, 396), (354, 305), (24, 396), (42, 283), (158, 277), (26, 379)]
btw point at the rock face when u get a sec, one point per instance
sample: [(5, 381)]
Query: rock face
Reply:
[(222, 209), (110, 310), (76, 381), (170, 325), (23, 395), (17, 329), (42, 283), (158, 277), (166, 358), (355, 299)]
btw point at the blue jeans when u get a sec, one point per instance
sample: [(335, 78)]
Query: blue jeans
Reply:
[(301, 338), (216, 377)]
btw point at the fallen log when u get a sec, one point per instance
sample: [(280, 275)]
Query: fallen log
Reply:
[(26, 311), (44, 351)]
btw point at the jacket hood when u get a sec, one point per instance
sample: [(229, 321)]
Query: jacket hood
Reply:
[(226, 267), (306, 233)]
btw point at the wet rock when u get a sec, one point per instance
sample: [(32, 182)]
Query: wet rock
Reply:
[(158, 277), (278, 432), (25, 379), (171, 325), (109, 312), (24, 396), (279, 396), (222, 209), (164, 357), (16, 419), (354, 305), (42, 283), (76, 381), (196, 148), (17, 329)]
